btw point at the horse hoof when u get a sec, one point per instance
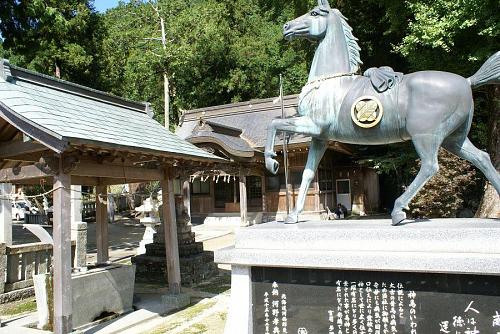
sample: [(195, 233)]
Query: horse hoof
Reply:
[(272, 165), (292, 219), (398, 217)]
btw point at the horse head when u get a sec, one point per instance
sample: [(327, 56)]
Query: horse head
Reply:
[(312, 25), (338, 50)]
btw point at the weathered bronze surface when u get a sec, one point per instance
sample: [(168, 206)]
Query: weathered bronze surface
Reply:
[(431, 108)]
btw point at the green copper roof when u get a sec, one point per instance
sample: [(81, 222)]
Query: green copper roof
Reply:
[(78, 115)]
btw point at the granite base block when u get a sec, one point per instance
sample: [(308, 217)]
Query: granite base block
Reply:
[(465, 248)]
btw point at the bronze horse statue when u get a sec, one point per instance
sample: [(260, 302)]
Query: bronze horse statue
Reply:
[(431, 108)]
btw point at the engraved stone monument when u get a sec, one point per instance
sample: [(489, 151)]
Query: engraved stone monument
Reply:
[(365, 277)]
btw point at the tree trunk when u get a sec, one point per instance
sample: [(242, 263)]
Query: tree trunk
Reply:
[(57, 71), (490, 203)]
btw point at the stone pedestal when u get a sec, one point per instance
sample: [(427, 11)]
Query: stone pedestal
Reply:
[(319, 276), (196, 264)]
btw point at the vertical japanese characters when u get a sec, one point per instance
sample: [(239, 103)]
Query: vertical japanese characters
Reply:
[(370, 308), (275, 311)]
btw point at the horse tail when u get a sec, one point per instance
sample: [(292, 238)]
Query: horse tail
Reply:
[(489, 73)]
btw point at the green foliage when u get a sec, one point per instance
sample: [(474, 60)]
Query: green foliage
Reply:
[(43, 35), (217, 52), (456, 36), (455, 186)]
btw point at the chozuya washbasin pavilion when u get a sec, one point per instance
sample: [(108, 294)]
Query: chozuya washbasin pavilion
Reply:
[(65, 134)]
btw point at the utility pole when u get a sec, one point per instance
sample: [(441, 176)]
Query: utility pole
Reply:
[(166, 87)]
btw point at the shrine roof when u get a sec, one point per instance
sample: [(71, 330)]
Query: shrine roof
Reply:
[(250, 117), (59, 113)]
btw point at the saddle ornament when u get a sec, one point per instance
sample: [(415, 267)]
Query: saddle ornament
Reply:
[(383, 78)]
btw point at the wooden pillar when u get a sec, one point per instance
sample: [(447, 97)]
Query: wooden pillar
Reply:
[(101, 215), (263, 191), (212, 195), (243, 198), (186, 196), (5, 214), (170, 230), (62, 254)]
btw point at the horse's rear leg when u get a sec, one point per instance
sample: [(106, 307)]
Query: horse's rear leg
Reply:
[(466, 150), (427, 147), (316, 152)]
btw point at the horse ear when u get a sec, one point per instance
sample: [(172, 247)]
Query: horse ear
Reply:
[(323, 3)]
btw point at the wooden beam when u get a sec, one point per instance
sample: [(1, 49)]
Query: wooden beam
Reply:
[(101, 215), (17, 148), (28, 157), (86, 168), (170, 229), (62, 254), (22, 173), (84, 180), (94, 181)]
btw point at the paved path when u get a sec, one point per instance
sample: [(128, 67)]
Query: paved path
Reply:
[(125, 235)]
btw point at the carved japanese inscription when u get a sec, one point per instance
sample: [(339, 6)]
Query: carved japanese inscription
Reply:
[(359, 302)]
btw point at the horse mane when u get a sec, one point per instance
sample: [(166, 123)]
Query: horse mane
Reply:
[(351, 41)]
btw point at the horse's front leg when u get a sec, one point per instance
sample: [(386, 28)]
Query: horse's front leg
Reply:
[(303, 125), (316, 152)]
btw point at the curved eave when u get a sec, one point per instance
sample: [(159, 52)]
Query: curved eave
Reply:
[(230, 150), (46, 137), (111, 146)]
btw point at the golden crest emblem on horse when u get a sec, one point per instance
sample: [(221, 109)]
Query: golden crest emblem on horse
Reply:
[(367, 111)]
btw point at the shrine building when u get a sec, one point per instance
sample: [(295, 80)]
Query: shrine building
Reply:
[(238, 132)]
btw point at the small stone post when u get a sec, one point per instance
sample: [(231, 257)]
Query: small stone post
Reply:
[(79, 233), (76, 204), (3, 266), (5, 214)]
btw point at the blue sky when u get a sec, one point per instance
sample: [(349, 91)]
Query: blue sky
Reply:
[(102, 5)]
